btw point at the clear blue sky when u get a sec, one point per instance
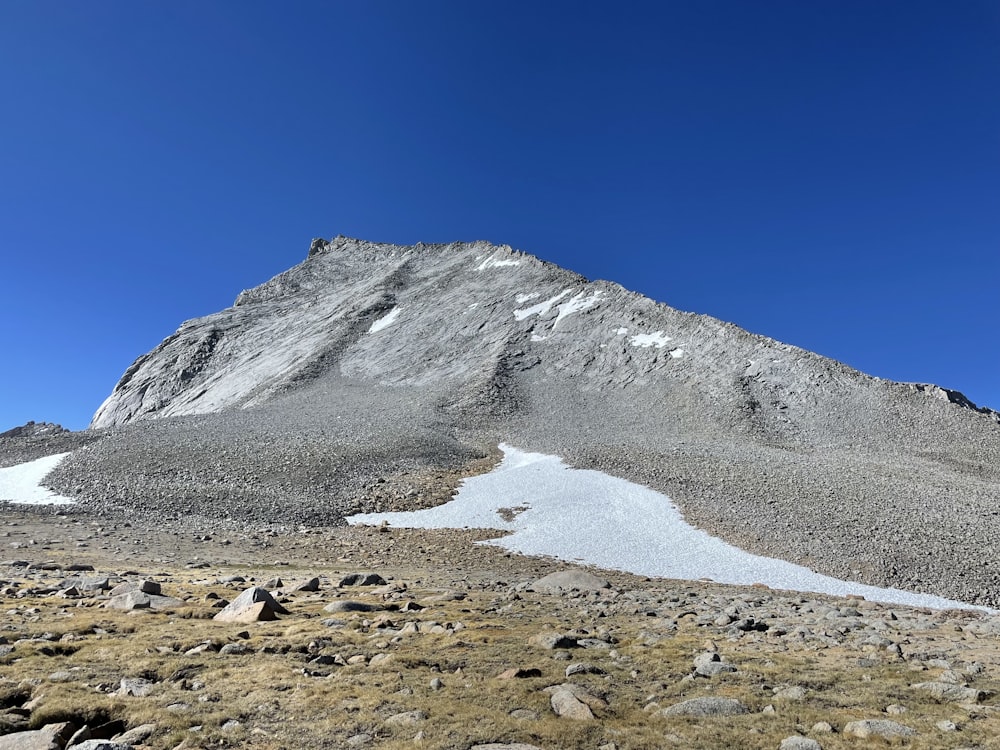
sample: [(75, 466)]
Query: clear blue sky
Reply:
[(825, 173)]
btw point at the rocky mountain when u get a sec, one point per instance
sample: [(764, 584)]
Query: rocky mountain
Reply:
[(372, 376)]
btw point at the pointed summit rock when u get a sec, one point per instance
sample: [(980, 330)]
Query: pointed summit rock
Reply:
[(253, 605)]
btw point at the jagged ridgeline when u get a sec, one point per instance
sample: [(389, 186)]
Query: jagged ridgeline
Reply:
[(372, 375)]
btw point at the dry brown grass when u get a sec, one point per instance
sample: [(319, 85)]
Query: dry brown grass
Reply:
[(282, 701)]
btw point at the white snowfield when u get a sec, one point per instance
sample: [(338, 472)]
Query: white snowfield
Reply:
[(593, 518), (22, 483)]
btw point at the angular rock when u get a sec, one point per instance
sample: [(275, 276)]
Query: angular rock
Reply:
[(710, 664), (578, 693), (883, 728), (554, 640), (253, 605), (49, 737), (566, 705), (362, 579), (138, 687), (130, 600), (136, 735), (581, 668), (946, 691), (569, 580), (144, 585)]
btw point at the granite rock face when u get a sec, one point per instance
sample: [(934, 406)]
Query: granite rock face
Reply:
[(374, 363)]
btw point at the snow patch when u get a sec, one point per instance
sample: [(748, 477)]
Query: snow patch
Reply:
[(496, 263), (23, 483), (588, 516), (542, 308), (522, 298), (621, 331), (658, 339), (385, 321), (577, 304), (676, 353), (536, 337)]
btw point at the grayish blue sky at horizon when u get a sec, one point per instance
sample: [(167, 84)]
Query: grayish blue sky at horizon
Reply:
[(824, 173)]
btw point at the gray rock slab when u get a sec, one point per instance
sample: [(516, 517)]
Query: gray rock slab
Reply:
[(707, 706), (569, 580), (884, 728), (797, 742), (49, 737)]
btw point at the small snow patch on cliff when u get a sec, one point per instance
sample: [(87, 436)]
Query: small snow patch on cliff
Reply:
[(385, 321), (542, 308), (658, 339)]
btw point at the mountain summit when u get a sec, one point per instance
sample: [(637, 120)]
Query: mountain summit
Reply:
[(368, 372)]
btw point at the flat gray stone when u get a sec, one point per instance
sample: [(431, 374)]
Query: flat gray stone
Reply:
[(708, 706), (798, 742), (946, 691), (407, 718), (569, 580), (884, 728)]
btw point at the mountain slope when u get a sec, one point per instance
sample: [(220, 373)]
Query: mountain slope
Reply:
[(370, 361)]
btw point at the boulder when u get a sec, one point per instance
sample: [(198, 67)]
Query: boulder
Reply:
[(138, 687), (798, 742), (883, 728), (708, 706), (566, 705), (554, 640), (49, 737), (253, 605), (568, 580), (946, 691), (130, 600), (362, 579)]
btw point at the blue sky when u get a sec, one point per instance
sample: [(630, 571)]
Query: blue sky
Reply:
[(824, 173)]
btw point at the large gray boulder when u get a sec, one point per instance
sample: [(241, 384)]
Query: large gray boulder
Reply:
[(569, 580), (884, 728), (708, 706), (253, 605)]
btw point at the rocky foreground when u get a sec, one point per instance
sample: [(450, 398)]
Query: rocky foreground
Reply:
[(127, 634)]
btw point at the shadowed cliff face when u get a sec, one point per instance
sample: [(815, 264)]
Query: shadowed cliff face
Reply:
[(411, 358)]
